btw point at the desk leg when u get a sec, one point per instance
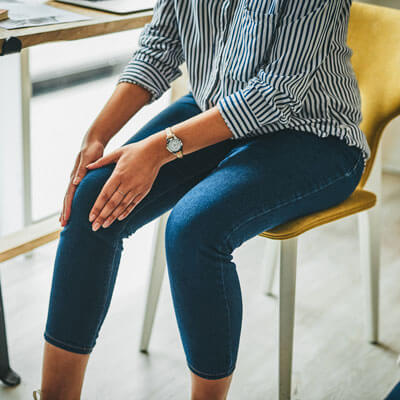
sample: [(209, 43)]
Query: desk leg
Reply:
[(26, 94), (7, 375), (11, 146), (15, 143), (15, 169)]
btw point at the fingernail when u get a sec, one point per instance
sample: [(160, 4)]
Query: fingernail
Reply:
[(121, 217), (95, 226), (92, 217), (106, 223), (76, 180)]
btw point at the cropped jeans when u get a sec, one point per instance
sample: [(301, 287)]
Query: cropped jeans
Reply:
[(220, 196)]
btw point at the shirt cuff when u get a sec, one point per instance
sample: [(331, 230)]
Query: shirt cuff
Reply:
[(246, 110), (147, 75)]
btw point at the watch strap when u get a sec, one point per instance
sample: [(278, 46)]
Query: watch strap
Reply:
[(179, 154), (169, 132)]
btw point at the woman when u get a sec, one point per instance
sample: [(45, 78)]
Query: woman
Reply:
[(269, 131)]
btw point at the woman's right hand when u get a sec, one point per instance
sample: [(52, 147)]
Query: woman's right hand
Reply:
[(90, 152), (126, 100)]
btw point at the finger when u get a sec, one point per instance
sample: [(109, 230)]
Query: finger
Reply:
[(64, 204), (131, 206), (120, 209), (112, 203), (108, 190), (76, 165), (62, 212), (80, 173), (68, 202), (109, 158), (63, 208), (72, 174)]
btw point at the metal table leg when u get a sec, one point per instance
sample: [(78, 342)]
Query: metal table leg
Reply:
[(7, 375), (15, 103)]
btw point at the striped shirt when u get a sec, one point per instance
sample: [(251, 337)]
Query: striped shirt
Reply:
[(307, 84)]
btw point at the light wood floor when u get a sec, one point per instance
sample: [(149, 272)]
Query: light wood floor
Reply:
[(332, 360)]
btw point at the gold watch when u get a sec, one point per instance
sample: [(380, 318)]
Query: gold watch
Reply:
[(174, 144)]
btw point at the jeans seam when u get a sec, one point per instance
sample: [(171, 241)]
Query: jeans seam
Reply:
[(359, 160), (216, 374), (262, 212), (108, 288), (228, 313), (68, 344)]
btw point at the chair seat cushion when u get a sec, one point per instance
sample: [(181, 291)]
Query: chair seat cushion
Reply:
[(358, 201)]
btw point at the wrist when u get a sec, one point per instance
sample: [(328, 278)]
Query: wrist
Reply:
[(157, 147), (91, 138)]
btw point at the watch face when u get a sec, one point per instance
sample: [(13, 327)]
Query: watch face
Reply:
[(174, 144)]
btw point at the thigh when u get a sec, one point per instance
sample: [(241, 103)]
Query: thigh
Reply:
[(264, 182)]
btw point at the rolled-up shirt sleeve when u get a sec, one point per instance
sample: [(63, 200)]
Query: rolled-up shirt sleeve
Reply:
[(278, 90), (155, 64)]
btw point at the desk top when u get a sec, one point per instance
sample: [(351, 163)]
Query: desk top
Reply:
[(101, 23)]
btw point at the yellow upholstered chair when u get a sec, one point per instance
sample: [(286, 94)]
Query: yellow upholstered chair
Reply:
[(374, 37)]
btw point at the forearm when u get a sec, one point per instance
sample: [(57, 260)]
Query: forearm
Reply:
[(200, 131), (126, 100)]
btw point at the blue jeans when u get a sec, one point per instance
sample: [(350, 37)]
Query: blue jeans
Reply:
[(394, 393), (220, 196)]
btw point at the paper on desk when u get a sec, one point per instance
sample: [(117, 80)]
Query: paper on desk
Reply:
[(33, 13)]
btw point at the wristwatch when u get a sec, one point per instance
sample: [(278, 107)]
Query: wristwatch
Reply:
[(174, 144)]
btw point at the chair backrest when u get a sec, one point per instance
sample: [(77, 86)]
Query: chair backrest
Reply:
[(374, 37)]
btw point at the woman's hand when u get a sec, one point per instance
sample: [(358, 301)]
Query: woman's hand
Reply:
[(136, 169), (90, 151)]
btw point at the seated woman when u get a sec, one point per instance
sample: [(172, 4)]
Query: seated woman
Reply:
[(268, 132)]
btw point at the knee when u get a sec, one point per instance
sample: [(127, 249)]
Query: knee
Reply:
[(85, 196), (192, 234)]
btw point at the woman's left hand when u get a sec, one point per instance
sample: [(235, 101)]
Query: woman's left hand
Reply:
[(131, 180)]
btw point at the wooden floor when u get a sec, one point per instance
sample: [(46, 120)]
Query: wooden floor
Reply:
[(332, 360)]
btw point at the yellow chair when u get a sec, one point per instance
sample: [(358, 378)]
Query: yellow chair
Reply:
[(374, 36)]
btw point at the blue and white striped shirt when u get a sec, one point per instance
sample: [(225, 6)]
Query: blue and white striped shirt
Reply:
[(308, 83)]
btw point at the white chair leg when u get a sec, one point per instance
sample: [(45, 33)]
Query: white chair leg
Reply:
[(288, 264), (369, 224), (155, 281), (369, 232), (270, 264)]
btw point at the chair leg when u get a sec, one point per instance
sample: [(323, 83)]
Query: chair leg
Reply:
[(270, 264), (7, 375), (155, 281), (287, 292), (369, 232)]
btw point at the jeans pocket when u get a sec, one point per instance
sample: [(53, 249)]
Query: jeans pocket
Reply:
[(358, 170)]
